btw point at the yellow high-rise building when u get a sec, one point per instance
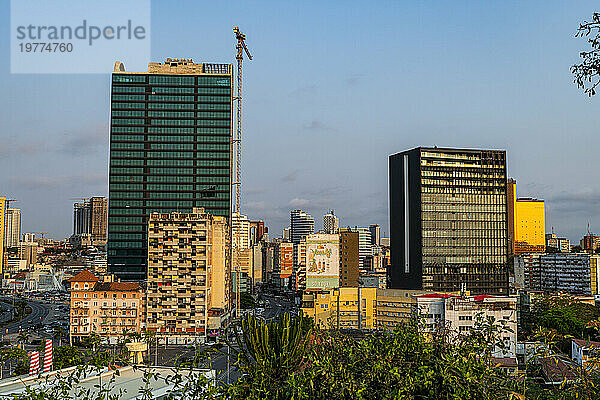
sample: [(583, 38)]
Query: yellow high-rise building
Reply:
[(594, 264), (527, 223), (2, 223)]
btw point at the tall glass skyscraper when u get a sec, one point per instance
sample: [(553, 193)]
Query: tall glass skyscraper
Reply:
[(170, 150), (448, 220)]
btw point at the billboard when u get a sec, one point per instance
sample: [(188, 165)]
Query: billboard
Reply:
[(322, 261), (286, 259)]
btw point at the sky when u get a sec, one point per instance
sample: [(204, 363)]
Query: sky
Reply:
[(334, 88)]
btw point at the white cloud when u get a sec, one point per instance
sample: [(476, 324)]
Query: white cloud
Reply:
[(298, 202)]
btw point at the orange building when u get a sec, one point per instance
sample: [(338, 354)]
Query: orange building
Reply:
[(105, 307)]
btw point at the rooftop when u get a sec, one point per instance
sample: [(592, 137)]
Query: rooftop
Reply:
[(84, 276)]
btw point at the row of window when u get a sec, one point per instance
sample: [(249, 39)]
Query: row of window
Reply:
[(171, 204), (201, 141), (155, 129), (160, 178), (139, 186), (169, 98), (182, 122), (171, 106), (172, 80)]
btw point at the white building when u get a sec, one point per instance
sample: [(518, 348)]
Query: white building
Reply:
[(331, 223), (15, 265), (13, 227), (583, 351), (461, 314)]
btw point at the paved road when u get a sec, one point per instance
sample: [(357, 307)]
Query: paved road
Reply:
[(37, 315), (6, 312)]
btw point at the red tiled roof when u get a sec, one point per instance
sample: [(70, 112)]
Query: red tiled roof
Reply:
[(586, 343), (117, 287), (84, 276), (482, 297)]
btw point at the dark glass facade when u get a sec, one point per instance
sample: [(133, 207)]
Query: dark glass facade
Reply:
[(170, 150), (448, 220)]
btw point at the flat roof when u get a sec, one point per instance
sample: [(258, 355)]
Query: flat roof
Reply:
[(129, 381)]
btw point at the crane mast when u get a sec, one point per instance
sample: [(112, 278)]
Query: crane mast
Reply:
[(237, 142), (240, 50)]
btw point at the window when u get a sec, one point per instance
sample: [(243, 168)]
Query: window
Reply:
[(171, 80), (128, 78)]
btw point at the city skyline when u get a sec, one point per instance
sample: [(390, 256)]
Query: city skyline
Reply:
[(319, 157)]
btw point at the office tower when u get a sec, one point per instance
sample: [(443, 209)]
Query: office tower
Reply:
[(13, 227), (526, 222), (2, 227), (98, 220), (170, 151), (349, 259), (188, 279), (364, 245), (287, 234), (375, 231), (331, 223), (81, 218), (89, 222), (302, 224), (448, 220)]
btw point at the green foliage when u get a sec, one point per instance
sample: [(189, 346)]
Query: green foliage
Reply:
[(67, 356), (587, 73), (268, 354), (564, 315), (247, 301)]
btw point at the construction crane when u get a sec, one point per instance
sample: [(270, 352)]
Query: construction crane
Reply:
[(241, 49)]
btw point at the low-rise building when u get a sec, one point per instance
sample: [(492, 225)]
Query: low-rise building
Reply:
[(105, 307), (342, 308), (585, 351)]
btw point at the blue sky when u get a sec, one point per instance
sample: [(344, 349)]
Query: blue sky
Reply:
[(334, 88)]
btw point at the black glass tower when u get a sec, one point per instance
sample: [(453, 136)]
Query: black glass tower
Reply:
[(448, 220), (170, 150)]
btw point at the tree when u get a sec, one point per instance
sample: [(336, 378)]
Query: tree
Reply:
[(67, 356), (268, 353), (23, 339), (587, 73), (247, 301)]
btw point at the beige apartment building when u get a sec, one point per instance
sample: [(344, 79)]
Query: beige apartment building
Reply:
[(188, 295), (105, 307)]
